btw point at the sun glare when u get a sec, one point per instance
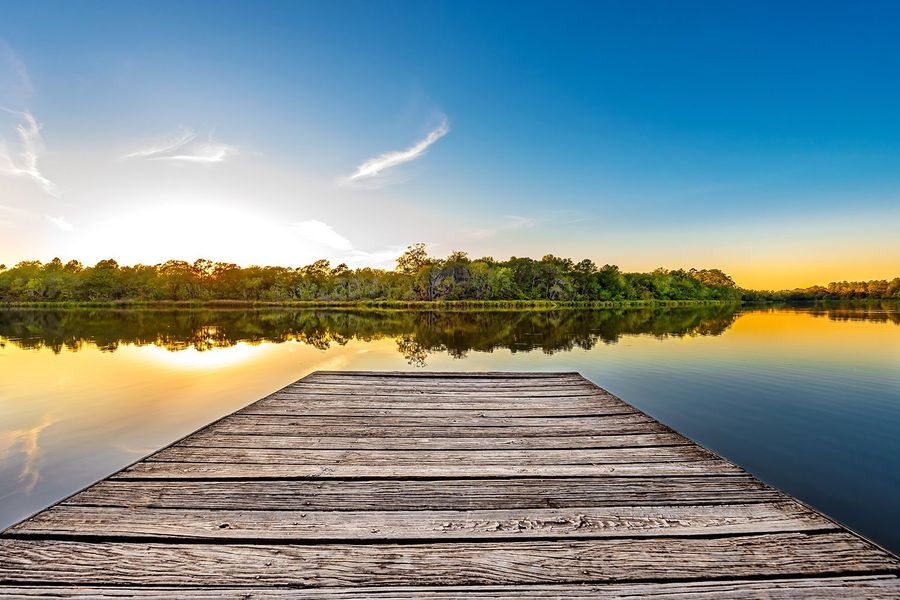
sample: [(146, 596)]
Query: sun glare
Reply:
[(206, 360), (191, 231)]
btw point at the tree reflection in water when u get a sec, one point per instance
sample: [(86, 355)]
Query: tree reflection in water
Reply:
[(418, 333)]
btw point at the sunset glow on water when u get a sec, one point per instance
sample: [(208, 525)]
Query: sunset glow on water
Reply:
[(806, 400)]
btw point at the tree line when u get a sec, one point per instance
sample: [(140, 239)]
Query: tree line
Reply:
[(417, 277), (418, 333), (878, 289)]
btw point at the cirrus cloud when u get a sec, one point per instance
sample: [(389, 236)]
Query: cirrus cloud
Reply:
[(15, 82), (509, 223), (61, 223), (322, 234), (376, 166), (24, 160), (183, 146)]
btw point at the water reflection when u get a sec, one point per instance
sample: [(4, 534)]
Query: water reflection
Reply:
[(808, 399), (24, 442), (418, 333), (883, 312), (455, 332)]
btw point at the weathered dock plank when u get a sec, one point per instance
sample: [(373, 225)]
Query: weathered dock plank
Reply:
[(475, 410), (872, 587), (294, 456), (209, 439), (192, 470), (435, 399), (426, 494), (252, 422), (359, 427), (275, 525), (460, 563), (434, 485)]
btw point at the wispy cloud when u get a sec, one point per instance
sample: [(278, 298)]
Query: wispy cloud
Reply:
[(374, 167), (208, 152), (12, 210), (61, 223), (381, 259), (317, 233), (264, 240), (26, 443), (15, 82), (30, 148), (322, 234), (163, 145), (183, 146), (576, 220), (10, 215), (510, 223)]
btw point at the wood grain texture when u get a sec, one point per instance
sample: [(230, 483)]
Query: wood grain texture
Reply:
[(445, 378), (430, 374), (460, 563), (194, 470), (399, 384), (866, 587), (207, 439), (475, 457), (435, 427), (390, 410), (608, 422), (388, 391), (486, 401), (437, 485), (577, 522), (441, 494), (431, 399)]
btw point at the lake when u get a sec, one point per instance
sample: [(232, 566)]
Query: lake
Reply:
[(807, 399)]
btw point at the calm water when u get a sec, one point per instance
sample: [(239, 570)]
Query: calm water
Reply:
[(807, 400)]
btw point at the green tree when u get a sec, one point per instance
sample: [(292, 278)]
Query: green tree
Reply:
[(413, 259)]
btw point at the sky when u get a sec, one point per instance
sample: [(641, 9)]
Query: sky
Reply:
[(761, 138)]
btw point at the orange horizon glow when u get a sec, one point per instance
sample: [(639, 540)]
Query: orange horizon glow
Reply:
[(782, 277), (782, 257), (765, 277)]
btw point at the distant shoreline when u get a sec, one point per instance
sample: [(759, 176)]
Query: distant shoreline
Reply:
[(399, 304), (430, 304), (418, 281)]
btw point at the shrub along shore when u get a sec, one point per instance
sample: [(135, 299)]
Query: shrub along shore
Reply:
[(374, 304), (418, 281)]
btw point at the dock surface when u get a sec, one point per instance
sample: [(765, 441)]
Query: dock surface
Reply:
[(438, 485)]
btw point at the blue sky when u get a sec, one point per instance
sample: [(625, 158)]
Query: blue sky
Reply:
[(760, 138)]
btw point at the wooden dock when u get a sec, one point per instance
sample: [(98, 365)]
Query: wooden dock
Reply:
[(438, 485)]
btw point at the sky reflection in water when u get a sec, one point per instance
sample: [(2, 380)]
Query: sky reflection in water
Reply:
[(808, 400)]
